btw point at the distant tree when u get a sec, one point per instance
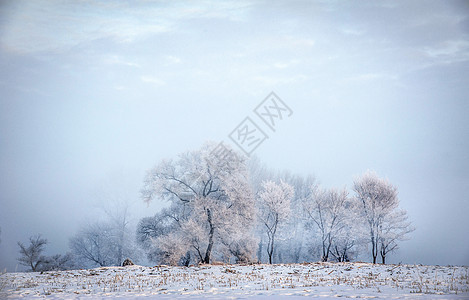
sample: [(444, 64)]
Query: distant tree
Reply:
[(214, 193), (114, 195), (241, 246), (327, 211), (350, 238), (349, 241), (292, 237), (274, 209), (395, 227), (379, 202), (57, 262), (120, 234), (31, 255), (92, 245), (258, 173), (105, 243), (342, 247)]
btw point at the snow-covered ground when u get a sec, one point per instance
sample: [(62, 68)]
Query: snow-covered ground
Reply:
[(353, 280)]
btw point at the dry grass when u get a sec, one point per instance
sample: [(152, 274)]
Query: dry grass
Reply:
[(301, 278)]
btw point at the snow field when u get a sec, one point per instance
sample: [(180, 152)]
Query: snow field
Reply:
[(350, 280)]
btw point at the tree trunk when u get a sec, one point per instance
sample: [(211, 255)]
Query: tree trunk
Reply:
[(298, 253), (187, 259), (383, 255), (270, 251), (325, 253), (374, 250), (210, 237), (120, 249), (271, 235), (323, 256), (270, 248), (259, 253), (328, 250)]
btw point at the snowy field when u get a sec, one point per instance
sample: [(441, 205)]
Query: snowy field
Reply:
[(322, 280)]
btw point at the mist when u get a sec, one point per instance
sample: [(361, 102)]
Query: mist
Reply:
[(93, 95)]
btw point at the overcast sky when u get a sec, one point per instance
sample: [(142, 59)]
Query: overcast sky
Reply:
[(94, 93)]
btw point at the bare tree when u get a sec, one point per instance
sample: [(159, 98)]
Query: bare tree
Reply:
[(378, 200), (57, 262), (115, 196), (274, 209), (394, 228), (31, 254), (119, 221), (153, 227), (327, 211), (350, 240), (92, 245), (342, 247)]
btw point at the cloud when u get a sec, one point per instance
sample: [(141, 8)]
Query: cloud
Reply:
[(449, 51), (372, 76), (173, 59), (59, 26), (283, 65), (152, 80), (279, 80), (352, 31), (51, 27), (233, 11), (299, 41), (118, 60)]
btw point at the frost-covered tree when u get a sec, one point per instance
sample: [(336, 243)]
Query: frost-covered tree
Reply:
[(292, 243), (152, 232), (350, 240), (274, 209), (379, 202), (150, 228), (291, 246), (213, 190), (258, 173), (241, 246), (31, 255), (327, 212), (394, 228)]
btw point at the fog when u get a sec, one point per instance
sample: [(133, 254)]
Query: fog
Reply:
[(93, 94)]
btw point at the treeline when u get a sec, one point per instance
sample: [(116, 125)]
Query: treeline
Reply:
[(223, 207)]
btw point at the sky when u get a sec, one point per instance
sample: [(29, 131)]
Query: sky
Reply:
[(95, 93)]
